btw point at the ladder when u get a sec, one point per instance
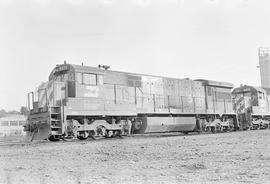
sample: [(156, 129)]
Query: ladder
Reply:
[(55, 120)]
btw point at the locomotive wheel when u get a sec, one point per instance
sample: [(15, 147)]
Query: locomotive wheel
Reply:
[(54, 138), (118, 133), (82, 136), (224, 129), (92, 135), (213, 129), (101, 131), (208, 129), (137, 125), (221, 129), (109, 134)]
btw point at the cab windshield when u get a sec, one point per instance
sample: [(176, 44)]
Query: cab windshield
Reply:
[(62, 77)]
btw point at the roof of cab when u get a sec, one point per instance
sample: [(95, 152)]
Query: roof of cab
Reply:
[(86, 69), (75, 68), (246, 88)]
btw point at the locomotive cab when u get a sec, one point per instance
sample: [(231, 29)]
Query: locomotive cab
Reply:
[(77, 81), (46, 105)]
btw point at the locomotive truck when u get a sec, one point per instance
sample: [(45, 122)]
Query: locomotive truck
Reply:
[(82, 101)]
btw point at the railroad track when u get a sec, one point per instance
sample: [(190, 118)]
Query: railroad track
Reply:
[(17, 140), (22, 140), (11, 140)]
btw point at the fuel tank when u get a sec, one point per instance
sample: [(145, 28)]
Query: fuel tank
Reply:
[(166, 124)]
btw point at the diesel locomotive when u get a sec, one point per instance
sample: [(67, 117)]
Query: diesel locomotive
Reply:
[(81, 101), (252, 107)]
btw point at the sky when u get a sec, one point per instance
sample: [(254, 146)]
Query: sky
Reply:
[(197, 39)]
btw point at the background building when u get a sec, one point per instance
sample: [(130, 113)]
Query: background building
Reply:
[(12, 125)]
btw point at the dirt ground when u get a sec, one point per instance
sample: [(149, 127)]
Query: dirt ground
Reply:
[(236, 157)]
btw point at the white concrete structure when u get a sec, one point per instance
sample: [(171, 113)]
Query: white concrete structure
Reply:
[(12, 125), (264, 59)]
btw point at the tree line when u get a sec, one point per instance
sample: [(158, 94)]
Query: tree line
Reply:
[(23, 111)]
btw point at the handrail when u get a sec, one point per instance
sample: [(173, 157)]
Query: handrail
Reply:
[(45, 89), (28, 99)]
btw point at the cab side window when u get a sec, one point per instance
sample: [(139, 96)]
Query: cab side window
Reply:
[(89, 79), (86, 78)]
